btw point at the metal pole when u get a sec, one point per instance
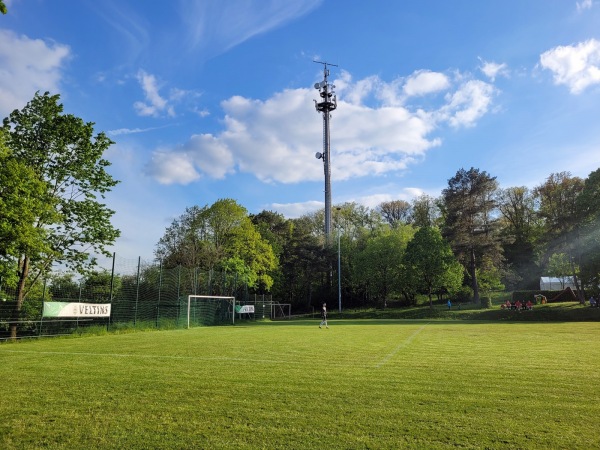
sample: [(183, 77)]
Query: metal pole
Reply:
[(339, 273), (137, 291), (112, 286)]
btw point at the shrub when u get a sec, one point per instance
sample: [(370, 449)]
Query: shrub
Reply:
[(558, 296), (463, 295)]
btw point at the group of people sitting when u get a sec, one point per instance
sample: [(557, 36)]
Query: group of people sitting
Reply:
[(517, 305)]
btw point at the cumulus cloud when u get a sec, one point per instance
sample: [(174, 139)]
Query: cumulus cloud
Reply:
[(425, 82), (28, 65), (374, 131), (492, 69), (467, 104), (576, 66)]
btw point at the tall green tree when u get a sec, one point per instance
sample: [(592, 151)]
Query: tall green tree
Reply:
[(3, 9), (221, 236), (378, 263), (520, 229), (561, 219), (469, 222), (425, 211), (22, 199), (67, 173), (588, 207), (430, 263)]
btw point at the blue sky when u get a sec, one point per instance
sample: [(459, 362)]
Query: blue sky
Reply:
[(214, 99)]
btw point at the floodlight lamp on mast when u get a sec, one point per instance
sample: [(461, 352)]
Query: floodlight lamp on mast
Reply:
[(327, 104)]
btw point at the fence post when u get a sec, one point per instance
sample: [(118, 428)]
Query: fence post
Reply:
[(137, 291), (159, 292), (178, 293), (112, 287), (42, 311)]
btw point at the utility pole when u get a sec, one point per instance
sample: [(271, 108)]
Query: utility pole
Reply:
[(325, 105)]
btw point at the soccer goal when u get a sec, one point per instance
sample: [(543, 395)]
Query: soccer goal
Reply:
[(210, 310)]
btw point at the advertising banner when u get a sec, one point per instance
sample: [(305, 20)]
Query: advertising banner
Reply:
[(66, 309)]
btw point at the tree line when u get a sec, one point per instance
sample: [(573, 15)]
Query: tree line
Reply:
[(472, 239)]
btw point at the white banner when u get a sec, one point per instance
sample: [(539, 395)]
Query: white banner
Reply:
[(65, 309), (246, 309)]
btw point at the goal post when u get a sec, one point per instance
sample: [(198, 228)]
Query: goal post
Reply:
[(210, 309)]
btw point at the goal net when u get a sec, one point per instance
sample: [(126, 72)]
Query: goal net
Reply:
[(210, 310)]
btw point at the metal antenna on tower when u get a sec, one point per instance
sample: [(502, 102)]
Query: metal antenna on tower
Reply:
[(327, 104)]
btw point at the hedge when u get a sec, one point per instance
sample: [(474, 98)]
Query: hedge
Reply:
[(566, 295)]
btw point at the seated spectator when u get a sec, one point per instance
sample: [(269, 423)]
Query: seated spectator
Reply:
[(592, 301), (518, 305), (507, 304), (529, 305)]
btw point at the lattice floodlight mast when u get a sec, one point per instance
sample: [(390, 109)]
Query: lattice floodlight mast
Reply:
[(327, 104)]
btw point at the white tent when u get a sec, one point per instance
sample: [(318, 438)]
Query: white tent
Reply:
[(556, 284)]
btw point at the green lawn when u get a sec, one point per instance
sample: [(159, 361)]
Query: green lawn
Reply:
[(360, 384)]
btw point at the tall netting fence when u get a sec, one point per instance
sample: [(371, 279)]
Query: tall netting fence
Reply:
[(141, 294)]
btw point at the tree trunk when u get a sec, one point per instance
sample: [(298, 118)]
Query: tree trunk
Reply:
[(16, 315), (476, 298)]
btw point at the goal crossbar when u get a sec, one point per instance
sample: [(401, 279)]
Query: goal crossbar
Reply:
[(189, 303)]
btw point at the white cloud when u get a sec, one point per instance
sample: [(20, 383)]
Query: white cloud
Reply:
[(26, 66), (492, 69), (426, 82), (276, 139), (216, 26), (576, 66), (155, 104), (295, 210), (125, 131), (468, 104), (172, 167), (583, 5)]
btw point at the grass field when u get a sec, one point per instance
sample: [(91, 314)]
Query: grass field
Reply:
[(376, 384)]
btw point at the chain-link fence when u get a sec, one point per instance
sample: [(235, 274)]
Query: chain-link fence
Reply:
[(141, 294)]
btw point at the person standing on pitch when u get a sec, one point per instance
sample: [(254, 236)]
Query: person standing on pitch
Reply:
[(324, 316)]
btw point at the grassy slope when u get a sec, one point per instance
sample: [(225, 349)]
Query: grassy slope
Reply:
[(360, 384), (550, 312)]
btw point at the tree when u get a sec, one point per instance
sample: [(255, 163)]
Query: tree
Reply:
[(559, 266), (66, 174), (63, 287), (489, 278), (425, 211), (588, 245), (520, 233), (222, 237), (21, 201), (3, 9), (469, 222), (430, 263), (379, 263), (561, 220), (395, 212)]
